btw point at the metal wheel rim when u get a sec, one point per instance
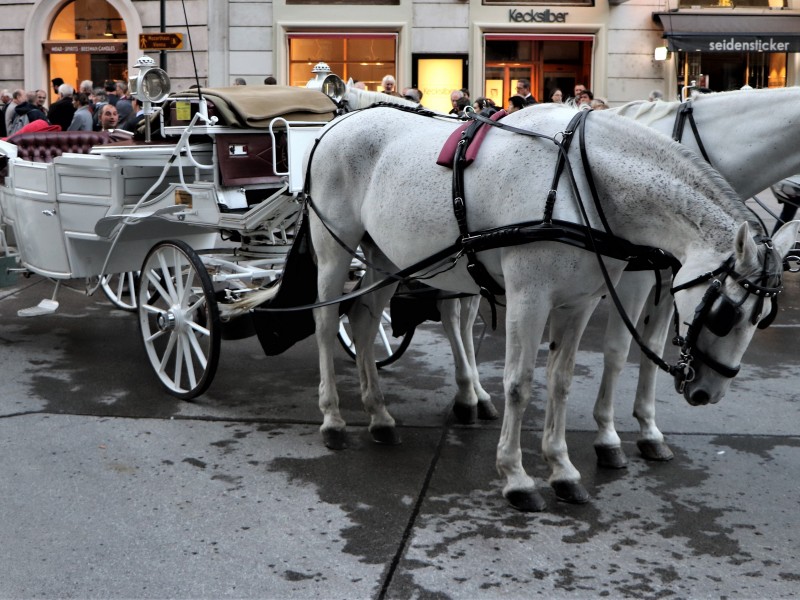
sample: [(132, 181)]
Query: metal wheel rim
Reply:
[(179, 319), (120, 289), (387, 348)]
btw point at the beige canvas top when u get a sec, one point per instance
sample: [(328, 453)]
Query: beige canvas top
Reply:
[(256, 105)]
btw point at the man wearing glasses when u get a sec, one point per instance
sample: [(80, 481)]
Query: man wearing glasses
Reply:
[(524, 90)]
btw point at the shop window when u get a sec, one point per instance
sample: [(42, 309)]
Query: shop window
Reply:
[(344, 2), (732, 4), (726, 71), (436, 76), (547, 61), (87, 40), (362, 57), (558, 3)]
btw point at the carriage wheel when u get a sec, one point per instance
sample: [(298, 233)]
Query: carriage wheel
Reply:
[(120, 289), (387, 348), (179, 319)]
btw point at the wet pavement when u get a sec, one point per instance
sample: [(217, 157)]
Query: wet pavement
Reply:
[(113, 489)]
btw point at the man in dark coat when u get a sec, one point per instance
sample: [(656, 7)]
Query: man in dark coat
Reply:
[(62, 110), (26, 113)]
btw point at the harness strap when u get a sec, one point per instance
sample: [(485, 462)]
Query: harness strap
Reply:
[(686, 113)]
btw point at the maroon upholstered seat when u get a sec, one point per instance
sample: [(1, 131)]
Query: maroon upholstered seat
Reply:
[(45, 146)]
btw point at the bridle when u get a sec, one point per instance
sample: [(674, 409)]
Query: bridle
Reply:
[(718, 313)]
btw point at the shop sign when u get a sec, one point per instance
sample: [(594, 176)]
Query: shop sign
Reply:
[(734, 43), (85, 47), (160, 41), (531, 16)]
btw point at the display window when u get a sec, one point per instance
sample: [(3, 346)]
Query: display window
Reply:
[(547, 61), (364, 57), (87, 40)]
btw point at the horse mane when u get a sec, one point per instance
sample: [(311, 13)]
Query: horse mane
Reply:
[(358, 98), (722, 192)]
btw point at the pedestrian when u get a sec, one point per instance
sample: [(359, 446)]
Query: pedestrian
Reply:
[(412, 94), (82, 119), (388, 84), (239, 81), (655, 95), (17, 98), (524, 90), (124, 106), (56, 82), (484, 106), (62, 110), (515, 103), (5, 100), (40, 99), (25, 113), (455, 96), (109, 117), (556, 96), (270, 80)]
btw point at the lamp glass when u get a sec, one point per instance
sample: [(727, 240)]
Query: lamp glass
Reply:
[(661, 53)]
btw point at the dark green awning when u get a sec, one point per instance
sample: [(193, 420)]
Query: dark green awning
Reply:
[(716, 32)]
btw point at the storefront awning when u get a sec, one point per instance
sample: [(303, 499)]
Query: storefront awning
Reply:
[(730, 33)]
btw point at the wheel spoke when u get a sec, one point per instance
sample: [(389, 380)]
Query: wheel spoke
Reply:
[(179, 318)]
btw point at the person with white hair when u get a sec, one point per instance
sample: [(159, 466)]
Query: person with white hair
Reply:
[(62, 110), (388, 84), (656, 95)]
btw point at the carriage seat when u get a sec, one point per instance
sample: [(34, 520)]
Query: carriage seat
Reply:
[(43, 147)]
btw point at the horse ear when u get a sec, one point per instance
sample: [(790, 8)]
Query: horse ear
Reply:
[(350, 83), (744, 246), (784, 239)]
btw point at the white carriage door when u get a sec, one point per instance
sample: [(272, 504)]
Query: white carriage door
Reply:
[(366, 57)]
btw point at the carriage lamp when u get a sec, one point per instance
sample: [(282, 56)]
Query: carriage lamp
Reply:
[(327, 83), (151, 84)]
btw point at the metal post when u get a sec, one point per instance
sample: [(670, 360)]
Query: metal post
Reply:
[(163, 55)]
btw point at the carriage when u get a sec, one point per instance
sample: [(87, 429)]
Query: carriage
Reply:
[(187, 222)]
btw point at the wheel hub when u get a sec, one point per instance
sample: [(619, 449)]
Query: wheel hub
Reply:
[(166, 320)]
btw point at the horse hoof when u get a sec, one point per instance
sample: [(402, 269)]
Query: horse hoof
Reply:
[(465, 414), (657, 451), (385, 435), (570, 491), (335, 439), (611, 457), (526, 500), (487, 411)]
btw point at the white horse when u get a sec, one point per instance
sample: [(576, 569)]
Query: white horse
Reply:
[(458, 316), (750, 159), (653, 192), (750, 162)]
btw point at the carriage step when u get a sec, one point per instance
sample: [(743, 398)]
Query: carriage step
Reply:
[(45, 307)]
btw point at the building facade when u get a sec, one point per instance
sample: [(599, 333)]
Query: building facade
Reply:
[(621, 49)]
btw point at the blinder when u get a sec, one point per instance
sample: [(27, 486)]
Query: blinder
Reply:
[(718, 313)]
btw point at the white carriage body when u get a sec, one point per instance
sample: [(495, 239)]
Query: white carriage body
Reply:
[(83, 215)]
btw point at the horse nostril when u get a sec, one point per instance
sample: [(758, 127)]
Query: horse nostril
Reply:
[(699, 398)]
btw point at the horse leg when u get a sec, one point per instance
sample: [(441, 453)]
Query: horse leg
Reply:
[(465, 404), (633, 289), (656, 330), (469, 312), (365, 317), (566, 328), (524, 327), (333, 264)]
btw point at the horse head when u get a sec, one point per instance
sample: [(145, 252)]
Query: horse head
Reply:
[(715, 323)]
